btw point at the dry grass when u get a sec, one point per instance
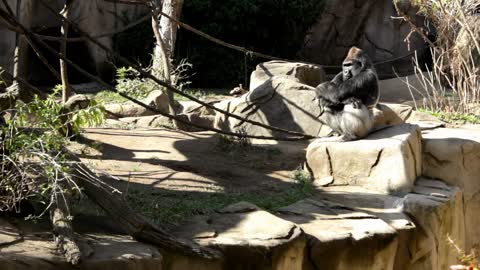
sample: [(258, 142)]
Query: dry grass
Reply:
[(452, 83)]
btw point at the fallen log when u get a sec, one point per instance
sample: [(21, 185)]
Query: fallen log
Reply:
[(110, 200)]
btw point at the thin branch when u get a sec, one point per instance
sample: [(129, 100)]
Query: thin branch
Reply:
[(106, 34)]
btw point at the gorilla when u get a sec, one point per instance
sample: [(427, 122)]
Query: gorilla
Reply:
[(347, 100)]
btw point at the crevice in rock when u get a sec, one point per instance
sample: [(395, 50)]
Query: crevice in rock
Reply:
[(439, 162), (289, 234), (330, 166), (463, 157), (379, 155), (414, 157), (376, 47)]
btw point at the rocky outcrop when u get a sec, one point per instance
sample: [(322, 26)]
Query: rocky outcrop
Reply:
[(249, 237), (279, 102), (368, 25), (421, 222), (388, 160), (341, 237), (453, 155), (308, 74)]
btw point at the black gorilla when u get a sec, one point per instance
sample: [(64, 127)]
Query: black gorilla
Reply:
[(346, 100)]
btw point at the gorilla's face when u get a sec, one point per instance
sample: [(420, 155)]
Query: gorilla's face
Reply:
[(351, 68)]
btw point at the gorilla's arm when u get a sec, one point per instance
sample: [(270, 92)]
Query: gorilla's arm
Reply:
[(364, 86), (338, 79)]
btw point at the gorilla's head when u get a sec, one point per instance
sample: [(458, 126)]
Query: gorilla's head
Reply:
[(354, 63)]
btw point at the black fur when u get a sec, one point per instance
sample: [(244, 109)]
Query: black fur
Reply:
[(356, 85), (362, 87)]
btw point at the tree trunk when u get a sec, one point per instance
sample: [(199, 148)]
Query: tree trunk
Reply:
[(168, 28), (165, 34), (63, 51)]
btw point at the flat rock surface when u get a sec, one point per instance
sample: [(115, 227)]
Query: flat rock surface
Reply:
[(249, 237)]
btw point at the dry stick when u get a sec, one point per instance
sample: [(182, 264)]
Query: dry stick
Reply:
[(173, 89), (176, 118), (412, 25), (65, 238)]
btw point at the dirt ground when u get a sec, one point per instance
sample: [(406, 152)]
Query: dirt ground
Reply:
[(189, 167)]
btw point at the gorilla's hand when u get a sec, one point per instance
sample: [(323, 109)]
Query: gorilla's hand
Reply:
[(323, 102), (355, 102)]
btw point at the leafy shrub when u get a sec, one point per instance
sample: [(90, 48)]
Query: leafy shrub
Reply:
[(33, 160)]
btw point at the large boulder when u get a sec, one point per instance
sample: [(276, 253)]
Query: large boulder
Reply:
[(249, 237), (279, 102), (388, 160), (422, 220), (341, 237), (308, 74), (453, 155), (438, 212)]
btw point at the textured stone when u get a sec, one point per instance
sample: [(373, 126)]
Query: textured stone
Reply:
[(93, 17), (157, 99), (368, 25), (151, 121), (421, 220), (108, 253), (391, 114), (394, 114), (127, 110), (453, 155), (77, 102), (388, 160), (341, 237), (307, 74), (250, 238), (279, 102), (438, 213)]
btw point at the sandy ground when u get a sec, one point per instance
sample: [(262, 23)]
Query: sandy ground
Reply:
[(176, 160)]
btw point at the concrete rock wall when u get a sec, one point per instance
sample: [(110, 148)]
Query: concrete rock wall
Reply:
[(366, 24), (94, 17)]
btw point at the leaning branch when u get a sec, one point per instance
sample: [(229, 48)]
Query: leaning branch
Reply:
[(110, 200)]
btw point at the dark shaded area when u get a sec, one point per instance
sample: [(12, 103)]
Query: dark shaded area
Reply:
[(136, 43), (272, 27), (40, 75)]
